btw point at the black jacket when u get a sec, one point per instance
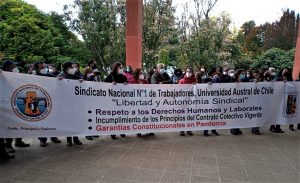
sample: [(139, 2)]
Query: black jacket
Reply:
[(156, 78), (118, 78), (68, 76)]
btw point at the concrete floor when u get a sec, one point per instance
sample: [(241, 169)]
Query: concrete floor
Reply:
[(166, 157)]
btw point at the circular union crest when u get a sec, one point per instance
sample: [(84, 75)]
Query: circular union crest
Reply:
[(31, 103)]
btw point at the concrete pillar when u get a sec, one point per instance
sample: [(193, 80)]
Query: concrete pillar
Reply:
[(134, 29), (296, 69)]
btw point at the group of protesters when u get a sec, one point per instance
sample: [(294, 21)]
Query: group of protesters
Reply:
[(155, 75)]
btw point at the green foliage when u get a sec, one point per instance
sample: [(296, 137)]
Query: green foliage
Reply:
[(101, 23), (159, 30), (164, 57), (275, 57), (29, 35), (194, 39)]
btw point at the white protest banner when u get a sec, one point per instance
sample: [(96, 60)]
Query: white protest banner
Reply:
[(35, 106)]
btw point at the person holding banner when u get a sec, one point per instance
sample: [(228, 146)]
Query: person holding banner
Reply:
[(150, 72), (10, 66), (116, 76), (285, 75), (240, 76), (69, 72), (138, 78), (128, 73), (189, 78), (41, 70), (3, 153), (216, 78), (177, 76), (253, 78), (160, 77)]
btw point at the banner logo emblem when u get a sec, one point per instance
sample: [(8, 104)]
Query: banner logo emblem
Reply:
[(31, 103)]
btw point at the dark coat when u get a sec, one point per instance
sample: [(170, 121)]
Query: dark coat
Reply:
[(118, 78), (157, 78), (68, 76)]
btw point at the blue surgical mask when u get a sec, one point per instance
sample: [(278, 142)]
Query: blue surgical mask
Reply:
[(162, 71), (242, 76)]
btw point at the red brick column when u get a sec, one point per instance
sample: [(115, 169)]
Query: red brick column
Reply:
[(296, 69), (134, 29)]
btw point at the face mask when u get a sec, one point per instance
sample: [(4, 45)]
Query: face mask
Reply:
[(72, 71), (225, 73), (188, 74), (216, 77), (120, 71), (16, 70), (141, 77), (127, 69), (273, 74), (34, 72), (94, 67), (231, 75), (203, 77), (95, 70), (162, 71), (44, 71), (248, 75), (242, 76), (90, 75), (202, 70), (51, 70)]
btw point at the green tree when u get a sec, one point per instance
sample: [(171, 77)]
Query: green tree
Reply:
[(28, 35), (101, 23), (159, 29), (275, 57)]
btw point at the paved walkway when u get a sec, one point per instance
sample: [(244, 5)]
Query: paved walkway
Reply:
[(166, 157)]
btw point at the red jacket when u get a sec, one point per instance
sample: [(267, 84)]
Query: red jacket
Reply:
[(186, 80), (138, 81)]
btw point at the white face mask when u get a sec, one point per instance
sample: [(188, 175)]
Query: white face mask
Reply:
[(120, 71), (225, 73), (34, 72), (248, 76), (72, 71), (202, 70), (162, 71), (141, 77), (203, 77), (231, 74), (44, 71), (90, 75), (16, 70), (188, 74), (51, 70)]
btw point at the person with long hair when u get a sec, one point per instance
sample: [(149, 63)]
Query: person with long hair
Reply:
[(189, 78), (116, 76), (70, 71), (138, 77)]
